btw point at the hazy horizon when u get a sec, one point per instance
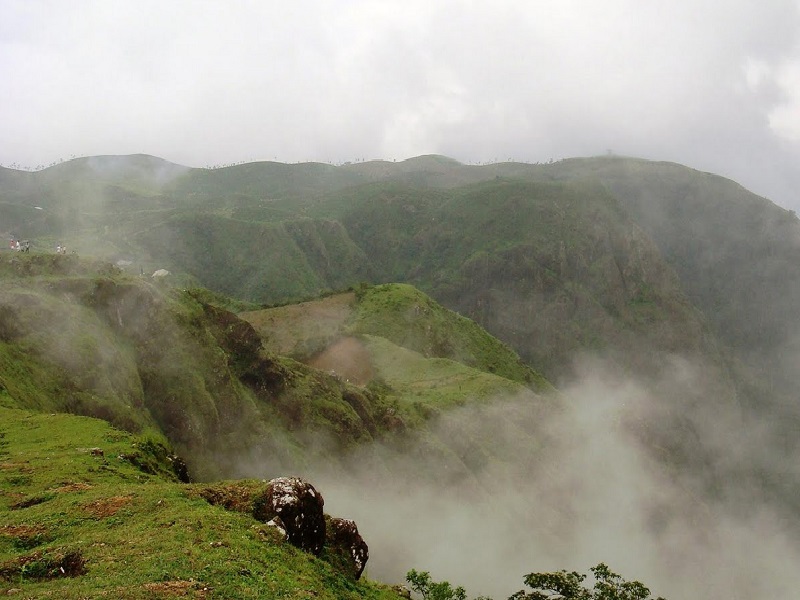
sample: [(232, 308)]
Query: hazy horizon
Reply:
[(202, 84)]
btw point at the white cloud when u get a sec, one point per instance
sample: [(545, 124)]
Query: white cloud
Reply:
[(784, 118), (213, 82)]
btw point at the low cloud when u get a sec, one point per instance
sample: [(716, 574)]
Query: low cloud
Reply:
[(579, 483)]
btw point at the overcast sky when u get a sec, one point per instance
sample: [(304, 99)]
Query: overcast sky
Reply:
[(713, 84)]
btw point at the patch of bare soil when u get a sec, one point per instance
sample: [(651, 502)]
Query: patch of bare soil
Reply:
[(73, 487), (284, 326), (348, 358), (107, 507), (21, 530), (39, 565), (24, 536), (15, 466), (177, 589), (14, 496)]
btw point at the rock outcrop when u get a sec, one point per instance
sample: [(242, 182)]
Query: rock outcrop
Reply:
[(345, 541), (299, 507)]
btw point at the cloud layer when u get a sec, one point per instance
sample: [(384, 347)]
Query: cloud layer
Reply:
[(709, 84)]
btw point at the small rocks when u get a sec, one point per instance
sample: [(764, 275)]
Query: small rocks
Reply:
[(402, 591), (276, 523)]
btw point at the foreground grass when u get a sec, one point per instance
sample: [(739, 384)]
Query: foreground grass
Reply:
[(81, 517)]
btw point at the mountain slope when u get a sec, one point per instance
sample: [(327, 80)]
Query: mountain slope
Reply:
[(90, 511), (83, 337)]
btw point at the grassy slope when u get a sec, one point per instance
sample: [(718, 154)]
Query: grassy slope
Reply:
[(420, 359), (436, 383), (83, 337), (193, 363), (100, 343), (404, 317), (120, 531)]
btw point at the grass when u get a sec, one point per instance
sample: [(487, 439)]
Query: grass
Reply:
[(82, 520), (404, 315), (419, 352), (436, 382)]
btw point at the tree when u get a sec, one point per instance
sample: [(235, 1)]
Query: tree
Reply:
[(608, 586), (430, 590), (559, 585)]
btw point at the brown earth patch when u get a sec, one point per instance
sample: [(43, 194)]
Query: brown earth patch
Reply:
[(15, 496), (283, 328), (348, 358), (24, 536), (40, 565), (179, 589), (15, 466), (73, 487), (21, 530), (107, 507), (233, 496)]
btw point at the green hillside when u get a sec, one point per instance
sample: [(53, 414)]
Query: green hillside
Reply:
[(176, 369), (552, 259), (341, 320), (547, 258), (90, 511), (84, 337)]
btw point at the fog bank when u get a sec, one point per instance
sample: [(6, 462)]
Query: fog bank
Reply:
[(578, 484)]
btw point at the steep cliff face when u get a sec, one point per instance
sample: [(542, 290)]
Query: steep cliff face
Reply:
[(737, 254), (610, 294), (552, 269)]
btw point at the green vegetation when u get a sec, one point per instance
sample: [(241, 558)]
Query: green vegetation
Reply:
[(90, 511), (147, 357), (520, 249), (560, 584), (608, 586), (633, 261), (436, 382), (422, 584), (409, 318)]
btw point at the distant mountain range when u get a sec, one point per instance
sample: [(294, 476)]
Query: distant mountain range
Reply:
[(366, 300)]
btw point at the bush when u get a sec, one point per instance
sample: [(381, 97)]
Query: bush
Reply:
[(558, 585), (608, 586)]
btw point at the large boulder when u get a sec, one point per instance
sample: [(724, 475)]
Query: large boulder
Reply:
[(346, 543), (299, 508)]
